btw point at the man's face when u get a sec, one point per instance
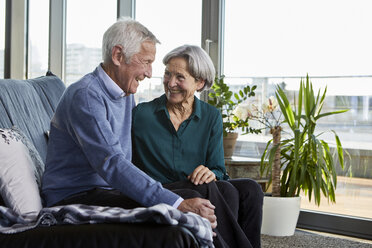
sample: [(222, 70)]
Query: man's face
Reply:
[(138, 69)]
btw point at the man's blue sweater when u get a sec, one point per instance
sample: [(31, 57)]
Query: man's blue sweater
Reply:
[(90, 145)]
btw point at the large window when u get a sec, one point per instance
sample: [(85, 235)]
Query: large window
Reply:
[(292, 38), (38, 38), (271, 42), (265, 43), (2, 37), (87, 20), (174, 23)]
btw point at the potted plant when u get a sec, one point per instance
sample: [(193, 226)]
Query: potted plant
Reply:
[(226, 101), (300, 162)]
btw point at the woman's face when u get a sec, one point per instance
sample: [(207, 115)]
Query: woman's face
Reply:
[(179, 85)]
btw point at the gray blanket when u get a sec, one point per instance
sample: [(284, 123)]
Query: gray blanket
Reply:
[(75, 214)]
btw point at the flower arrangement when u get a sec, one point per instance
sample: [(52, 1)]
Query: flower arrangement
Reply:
[(268, 115), (226, 102)]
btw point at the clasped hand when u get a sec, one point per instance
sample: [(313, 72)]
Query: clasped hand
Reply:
[(201, 175), (202, 207)]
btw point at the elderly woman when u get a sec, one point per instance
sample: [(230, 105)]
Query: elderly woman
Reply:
[(178, 141)]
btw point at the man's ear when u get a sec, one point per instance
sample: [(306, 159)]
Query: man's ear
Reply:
[(117, 55)]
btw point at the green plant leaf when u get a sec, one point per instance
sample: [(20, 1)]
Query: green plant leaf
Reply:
[(339, 150), (331, 113), (298, 114), (264, 165), (236, 96), (241, 93), (296, 158), (285, 107), (321, 102)]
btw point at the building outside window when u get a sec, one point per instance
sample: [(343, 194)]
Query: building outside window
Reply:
[(87, 20), (278, 42), (2, 37), (38, 38), (174, 23)]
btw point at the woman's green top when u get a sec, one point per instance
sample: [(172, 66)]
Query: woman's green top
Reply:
[(168, 155)]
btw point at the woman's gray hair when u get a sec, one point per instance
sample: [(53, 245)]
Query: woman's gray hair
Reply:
[(128, 33), (199, 63)]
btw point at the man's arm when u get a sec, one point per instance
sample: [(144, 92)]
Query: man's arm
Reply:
[(104, 151)]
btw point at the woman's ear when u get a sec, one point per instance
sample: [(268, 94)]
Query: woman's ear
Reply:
[(201, 84), (117, 55)]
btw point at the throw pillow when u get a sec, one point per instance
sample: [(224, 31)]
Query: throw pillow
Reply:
[(18, 186), (37, 163)]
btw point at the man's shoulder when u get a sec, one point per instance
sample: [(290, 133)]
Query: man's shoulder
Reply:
[(87, 85)]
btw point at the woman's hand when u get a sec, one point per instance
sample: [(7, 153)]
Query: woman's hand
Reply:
[(201, 175)]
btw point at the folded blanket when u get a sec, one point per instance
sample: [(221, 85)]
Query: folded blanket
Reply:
[(75, 214)]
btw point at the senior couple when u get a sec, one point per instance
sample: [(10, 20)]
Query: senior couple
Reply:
[(177, 140)]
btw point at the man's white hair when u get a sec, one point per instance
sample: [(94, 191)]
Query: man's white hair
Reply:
[(128, 33)]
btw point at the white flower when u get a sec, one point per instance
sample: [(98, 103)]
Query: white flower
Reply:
[(243, 111), (270, 104)]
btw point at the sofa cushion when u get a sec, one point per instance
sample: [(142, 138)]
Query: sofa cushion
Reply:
[(29, 105), (18, 172)]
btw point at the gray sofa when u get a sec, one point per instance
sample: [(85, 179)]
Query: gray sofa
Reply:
[(29, 105)]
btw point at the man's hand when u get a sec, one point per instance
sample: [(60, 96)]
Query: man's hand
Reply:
[(200, 206), (201, 175)]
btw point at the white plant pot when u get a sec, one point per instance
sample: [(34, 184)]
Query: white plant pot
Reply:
[(280, 215)]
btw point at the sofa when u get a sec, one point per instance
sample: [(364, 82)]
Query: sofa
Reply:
[(27, 106)]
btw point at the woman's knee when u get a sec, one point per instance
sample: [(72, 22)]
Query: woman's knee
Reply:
[(227, 189), (249, 188)]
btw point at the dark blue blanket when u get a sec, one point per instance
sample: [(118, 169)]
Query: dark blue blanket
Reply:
[(10, 222)]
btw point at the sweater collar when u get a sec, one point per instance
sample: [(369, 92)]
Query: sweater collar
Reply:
[(113, 89)]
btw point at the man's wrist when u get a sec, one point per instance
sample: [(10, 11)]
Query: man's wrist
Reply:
[(178, 202)]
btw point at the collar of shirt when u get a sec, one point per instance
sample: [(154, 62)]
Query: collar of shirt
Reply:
[(111, 86), (162, 106)]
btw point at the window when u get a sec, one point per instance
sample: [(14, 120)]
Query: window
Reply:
[(38, 38), (272, 42), (174, 23), (2, 37), (87, 20)]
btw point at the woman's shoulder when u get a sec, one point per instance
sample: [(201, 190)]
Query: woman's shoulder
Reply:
[(206, 108)]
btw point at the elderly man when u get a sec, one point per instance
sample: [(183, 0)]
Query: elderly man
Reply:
[(89, 149)]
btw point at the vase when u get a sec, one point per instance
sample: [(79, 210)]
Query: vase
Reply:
[(280, 215), (229, 143)]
